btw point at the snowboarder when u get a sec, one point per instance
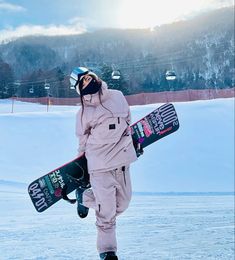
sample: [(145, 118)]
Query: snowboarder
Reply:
[(102, 126)]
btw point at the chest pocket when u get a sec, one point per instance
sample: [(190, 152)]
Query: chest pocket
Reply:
[(110, 129)]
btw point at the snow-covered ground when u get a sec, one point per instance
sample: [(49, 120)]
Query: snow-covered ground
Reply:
[(199, 157), (154, 227)]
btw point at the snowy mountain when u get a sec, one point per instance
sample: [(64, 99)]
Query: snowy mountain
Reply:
[(200, 51)]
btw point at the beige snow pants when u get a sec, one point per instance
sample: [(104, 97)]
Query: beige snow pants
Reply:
[(109, 196)]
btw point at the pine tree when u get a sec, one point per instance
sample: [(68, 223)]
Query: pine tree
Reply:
[(6, 80)]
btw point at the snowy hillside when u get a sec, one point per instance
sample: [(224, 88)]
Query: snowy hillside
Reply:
[(199, 157)]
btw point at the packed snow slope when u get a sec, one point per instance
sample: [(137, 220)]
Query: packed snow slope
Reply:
[(199, 157)]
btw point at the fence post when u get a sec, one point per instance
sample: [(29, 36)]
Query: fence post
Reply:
[(12, 105)]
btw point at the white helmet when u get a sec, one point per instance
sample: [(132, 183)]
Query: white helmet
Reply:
[(76, 75)]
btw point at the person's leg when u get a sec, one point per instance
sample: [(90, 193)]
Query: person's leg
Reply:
[(124, 189), (102, 197)]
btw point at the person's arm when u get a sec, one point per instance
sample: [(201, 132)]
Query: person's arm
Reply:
[(82, 132), (138, 147)]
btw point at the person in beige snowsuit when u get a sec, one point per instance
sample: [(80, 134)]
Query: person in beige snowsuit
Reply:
[(103, 129)]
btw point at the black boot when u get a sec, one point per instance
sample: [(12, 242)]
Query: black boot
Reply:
[(108, 256), (81, 210)]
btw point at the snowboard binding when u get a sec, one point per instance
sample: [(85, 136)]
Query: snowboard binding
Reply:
[(82, 182), (81, 209)]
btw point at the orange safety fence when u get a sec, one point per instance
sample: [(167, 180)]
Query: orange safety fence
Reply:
[(146, 98)]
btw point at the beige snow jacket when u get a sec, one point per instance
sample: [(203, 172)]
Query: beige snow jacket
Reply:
[(103, 131)]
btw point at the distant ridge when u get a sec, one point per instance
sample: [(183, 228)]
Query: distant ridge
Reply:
[(200, 51)]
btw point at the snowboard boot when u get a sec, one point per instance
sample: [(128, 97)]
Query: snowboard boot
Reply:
[(108, 256), (81, 210)]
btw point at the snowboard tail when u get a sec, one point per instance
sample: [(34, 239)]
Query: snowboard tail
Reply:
[(48, 189), (57, 184)]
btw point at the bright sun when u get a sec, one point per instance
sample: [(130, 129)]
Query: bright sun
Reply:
[(149, 13)]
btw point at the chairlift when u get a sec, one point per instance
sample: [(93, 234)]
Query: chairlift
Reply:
[(72, 86), (5, 90), (72, 82), (17, 83), (31, 90), (116, 74), (170, 75), (46, 86)]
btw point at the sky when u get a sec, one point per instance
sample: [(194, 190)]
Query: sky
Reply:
[(64, 17)]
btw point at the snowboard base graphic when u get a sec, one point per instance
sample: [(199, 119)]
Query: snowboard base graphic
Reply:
[(57, 184)]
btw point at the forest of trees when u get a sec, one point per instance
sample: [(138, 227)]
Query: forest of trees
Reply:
[(200, 51)]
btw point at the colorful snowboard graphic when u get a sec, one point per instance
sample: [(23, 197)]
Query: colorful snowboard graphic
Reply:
[(156, 125)]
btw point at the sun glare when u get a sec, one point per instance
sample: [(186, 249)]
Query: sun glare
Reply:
[(149, 13)]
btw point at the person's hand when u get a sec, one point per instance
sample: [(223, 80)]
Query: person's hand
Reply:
[(138, 148), (81, 154)]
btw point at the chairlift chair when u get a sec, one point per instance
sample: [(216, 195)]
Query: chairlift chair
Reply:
[(31, 90), (170, 75), (47, 86), (116, 74)]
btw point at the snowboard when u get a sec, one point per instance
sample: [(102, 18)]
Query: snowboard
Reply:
[(57, 184)]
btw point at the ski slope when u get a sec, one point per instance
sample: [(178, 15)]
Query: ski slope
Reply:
[(199, 157)]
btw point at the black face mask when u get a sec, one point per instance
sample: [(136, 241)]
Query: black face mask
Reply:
[(92, 88)]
